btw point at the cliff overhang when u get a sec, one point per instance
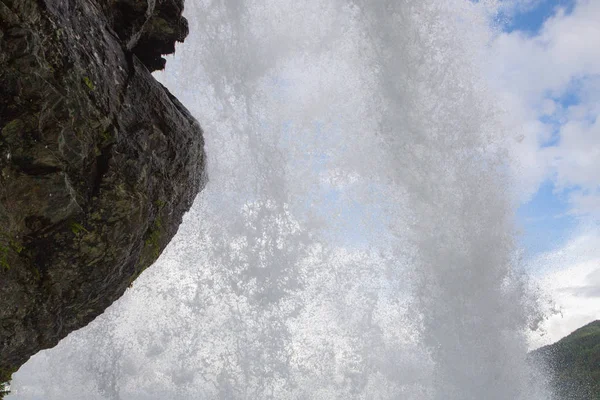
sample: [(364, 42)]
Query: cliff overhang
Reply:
[(98, 161)]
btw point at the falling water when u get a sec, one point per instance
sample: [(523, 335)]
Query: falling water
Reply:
[(355, 238)]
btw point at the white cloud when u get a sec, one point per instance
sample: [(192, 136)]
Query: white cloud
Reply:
[(587, 204), (577, 158), (533, 75), (571, 277), (549, 84), (565, 49)]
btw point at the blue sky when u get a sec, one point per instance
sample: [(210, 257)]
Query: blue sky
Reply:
[(544, 220), (531, 19), (545, 67)]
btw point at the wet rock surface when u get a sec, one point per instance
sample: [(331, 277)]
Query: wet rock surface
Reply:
[(98, 161)]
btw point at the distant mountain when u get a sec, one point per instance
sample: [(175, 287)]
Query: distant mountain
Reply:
[(573, 364)]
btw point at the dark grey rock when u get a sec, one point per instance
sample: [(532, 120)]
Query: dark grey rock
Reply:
[(98, 161)]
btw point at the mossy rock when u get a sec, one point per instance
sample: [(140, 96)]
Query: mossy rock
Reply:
[(98, 161)]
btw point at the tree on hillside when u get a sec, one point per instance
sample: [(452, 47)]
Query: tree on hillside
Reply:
[(4, 389), (573, 364)]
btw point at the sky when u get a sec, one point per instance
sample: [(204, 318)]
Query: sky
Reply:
[(545, 66)]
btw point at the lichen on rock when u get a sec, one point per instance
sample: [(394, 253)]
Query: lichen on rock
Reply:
[(98, 161)]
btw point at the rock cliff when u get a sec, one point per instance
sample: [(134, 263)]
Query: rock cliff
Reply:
[(98, 161)]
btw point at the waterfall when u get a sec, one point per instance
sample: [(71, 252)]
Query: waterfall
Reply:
[(355, 239)]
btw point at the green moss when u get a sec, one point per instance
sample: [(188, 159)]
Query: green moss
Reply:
[(77, 228), (9, 244), (16, 246), (36, 274), (151, 251), (14, 127), (153, 240), (160, 27), (4, 258), (88, 82), (107, 137)]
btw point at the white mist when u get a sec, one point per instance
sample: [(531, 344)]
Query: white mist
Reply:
[(355, 240)]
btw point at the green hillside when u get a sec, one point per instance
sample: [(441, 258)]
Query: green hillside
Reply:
[(574, 364)]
